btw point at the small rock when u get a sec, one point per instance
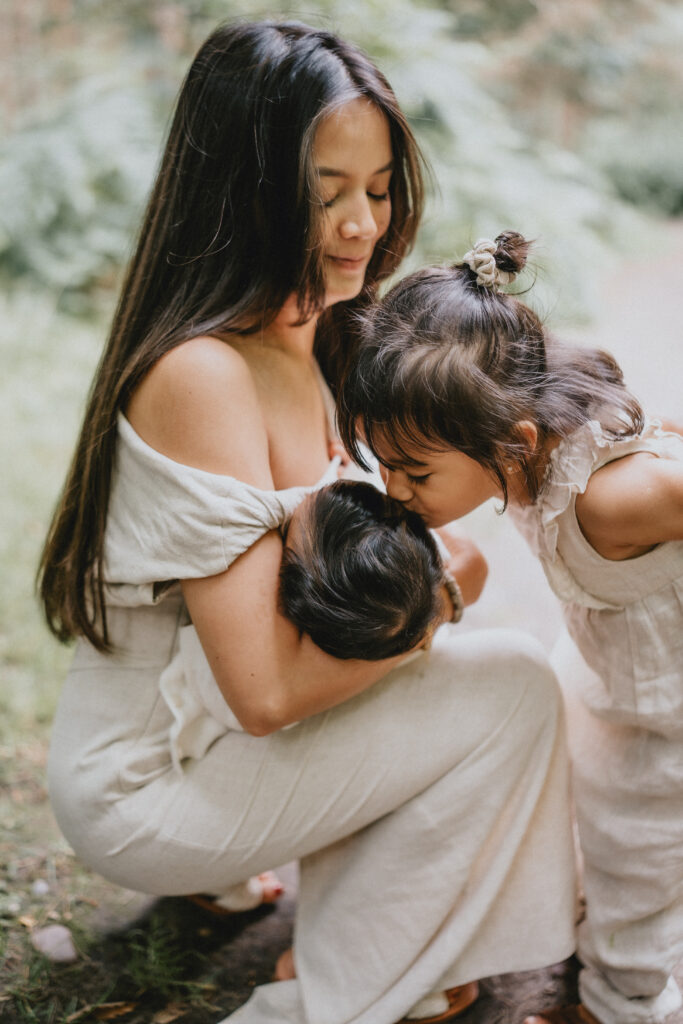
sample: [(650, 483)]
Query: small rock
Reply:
[(55, 942), (40, 887)]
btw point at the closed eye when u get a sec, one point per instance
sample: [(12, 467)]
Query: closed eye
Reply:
[(418, 479), (377, 197)]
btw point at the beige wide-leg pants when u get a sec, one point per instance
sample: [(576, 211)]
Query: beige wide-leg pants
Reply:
[(429, 814), (628, 787)]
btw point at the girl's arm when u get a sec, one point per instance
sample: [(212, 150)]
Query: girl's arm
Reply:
[(198, 406), (631, 505)]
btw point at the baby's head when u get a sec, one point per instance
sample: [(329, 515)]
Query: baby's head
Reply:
[(360, 574), (449, 363)]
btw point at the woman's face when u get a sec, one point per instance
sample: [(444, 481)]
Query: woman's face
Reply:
[(353, 157)]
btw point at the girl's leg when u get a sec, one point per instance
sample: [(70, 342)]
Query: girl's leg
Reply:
[(628, 786)]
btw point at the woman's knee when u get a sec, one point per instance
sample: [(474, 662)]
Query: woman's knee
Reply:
[(508, 662)]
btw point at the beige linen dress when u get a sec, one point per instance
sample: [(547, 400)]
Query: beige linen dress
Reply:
[(622, 673), (429, 813)]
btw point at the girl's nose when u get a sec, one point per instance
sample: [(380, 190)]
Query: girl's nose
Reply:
[(397, 485), (358, 221)]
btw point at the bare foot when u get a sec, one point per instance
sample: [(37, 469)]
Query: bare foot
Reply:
[(284, 968), (257, 890), (271, 886)]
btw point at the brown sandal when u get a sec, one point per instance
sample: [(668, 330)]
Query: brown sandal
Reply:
[(459, 998), (577, 1014)]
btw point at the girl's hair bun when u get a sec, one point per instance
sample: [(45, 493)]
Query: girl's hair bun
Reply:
[(496, 263), (511, 252)]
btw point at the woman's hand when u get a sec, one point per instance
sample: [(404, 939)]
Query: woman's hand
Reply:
[(347, 470), (466, 562)]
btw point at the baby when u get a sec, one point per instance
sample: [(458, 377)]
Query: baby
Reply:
[(360, 574)]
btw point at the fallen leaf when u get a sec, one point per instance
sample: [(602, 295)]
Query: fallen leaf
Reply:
[(27, 921), (169, 1013), (100, 1011), (107, 1011)]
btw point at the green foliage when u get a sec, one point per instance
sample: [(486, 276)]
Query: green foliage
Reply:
[(47, 362), (602, 80), (158, 962), (73, 188), (74, 179)]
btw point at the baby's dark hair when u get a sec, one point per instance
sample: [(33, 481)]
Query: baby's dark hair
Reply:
[(364, 576), (446, 362)]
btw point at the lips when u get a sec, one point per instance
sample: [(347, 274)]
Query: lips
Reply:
[(349, 262)]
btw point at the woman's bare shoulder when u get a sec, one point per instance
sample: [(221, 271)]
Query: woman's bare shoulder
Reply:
[(199, 406)]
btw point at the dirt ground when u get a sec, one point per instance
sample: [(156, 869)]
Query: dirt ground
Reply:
[(140, 960)]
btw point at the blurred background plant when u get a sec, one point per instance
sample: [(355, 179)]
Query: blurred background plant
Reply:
[(534, 113)]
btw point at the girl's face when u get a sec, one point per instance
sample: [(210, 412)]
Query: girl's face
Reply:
[(442, 487), (353, 157)]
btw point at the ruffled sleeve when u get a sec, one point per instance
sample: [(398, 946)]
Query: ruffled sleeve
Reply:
[(570, 467)]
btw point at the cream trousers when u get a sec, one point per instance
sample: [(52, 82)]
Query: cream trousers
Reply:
[(429, 814)]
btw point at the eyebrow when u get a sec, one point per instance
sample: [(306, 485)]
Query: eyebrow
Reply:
[(332, 172)]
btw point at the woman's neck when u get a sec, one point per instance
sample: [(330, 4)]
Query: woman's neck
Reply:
[(285, 333)]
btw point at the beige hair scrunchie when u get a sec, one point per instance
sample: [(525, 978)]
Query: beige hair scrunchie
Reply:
[(482, 261)]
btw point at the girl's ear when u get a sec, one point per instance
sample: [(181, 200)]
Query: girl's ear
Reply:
[(527, 432)]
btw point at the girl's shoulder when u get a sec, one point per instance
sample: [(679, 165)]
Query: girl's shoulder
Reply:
[(199, 406), (574, 466), (635, 500)]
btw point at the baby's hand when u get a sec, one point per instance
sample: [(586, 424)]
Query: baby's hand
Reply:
[(336, 449)]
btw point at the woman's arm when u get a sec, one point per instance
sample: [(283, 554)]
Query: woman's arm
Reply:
[(631, 505), (199, 406)]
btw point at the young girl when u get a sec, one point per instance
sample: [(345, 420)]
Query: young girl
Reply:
[(462, 397)]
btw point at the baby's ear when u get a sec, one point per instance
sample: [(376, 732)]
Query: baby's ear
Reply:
[(527, 433)]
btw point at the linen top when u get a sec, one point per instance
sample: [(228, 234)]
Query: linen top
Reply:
[(626, 617), (167, 522)]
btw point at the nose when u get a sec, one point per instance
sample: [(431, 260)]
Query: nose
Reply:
[(358, 220), (397, 485)]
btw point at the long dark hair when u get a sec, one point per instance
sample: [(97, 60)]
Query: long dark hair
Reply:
[(364, 576), (231, 230), (448, 363)]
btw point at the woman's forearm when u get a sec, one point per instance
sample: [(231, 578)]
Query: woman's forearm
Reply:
[(269, 673)]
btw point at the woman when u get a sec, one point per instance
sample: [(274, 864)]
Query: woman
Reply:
[(426, 800)]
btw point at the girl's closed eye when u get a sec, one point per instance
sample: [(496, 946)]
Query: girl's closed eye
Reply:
[(418, 479)]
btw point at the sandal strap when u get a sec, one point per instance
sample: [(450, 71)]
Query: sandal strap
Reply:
[(460, 998)]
